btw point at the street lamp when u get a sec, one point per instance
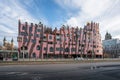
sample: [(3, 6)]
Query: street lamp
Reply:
[(93, 54), (19, 39), (23, 52)]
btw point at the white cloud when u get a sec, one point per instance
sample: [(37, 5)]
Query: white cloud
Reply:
[(71, 4), (10, 12), (94, 8), (72, 21), (106, 12), (7, 30), (116, 36)]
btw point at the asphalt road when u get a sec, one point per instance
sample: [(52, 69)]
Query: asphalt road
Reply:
[(79, 71)]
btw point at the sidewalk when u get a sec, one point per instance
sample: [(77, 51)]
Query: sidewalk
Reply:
[(62, 59), (54, 61)]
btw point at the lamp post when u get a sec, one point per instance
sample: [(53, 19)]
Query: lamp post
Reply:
[(23, 52), (19, 39), (93, 66), (18, 53)]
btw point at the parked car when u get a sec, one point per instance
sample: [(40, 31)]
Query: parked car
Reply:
[(15, 59), (79, 58), (1, 57)]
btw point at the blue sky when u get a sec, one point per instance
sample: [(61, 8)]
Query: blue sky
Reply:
[(55, 13)]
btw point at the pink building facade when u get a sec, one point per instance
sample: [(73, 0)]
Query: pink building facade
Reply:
[(39, 41)]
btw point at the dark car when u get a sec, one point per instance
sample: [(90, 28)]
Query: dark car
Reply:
[(1, 57), (15, 59)]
